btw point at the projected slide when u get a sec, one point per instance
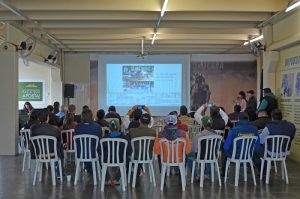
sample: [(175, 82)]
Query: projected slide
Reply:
[(144, 84)]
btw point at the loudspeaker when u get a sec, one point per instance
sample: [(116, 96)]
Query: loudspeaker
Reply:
[(69, 91)]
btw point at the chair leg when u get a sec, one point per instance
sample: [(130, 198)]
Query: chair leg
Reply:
[(212, 168), (193, 172), (77, 172), (122, 169), (218, 173), (285, 171), (98, 170), (152, 173), (262, 168), (103, 175), (29, 159), (245, 171), (237, 173), (168, 171), (41, 171), (94, 172), (253, 174), (129, 172), (182, 174), (60, 170), (282, 170), (135, 168), (37, 165), (53, 173), (226, 170), (275, 166), (162, 178), (268, 171), (24, 160), (202, 174)]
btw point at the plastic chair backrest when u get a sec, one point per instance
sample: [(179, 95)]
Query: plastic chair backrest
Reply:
[(276, 147), (68, 134), (212, 144), (25, 136), (171, 150), (243, 147), (143, 147), (112, 154), (220, 132), (83, 146), (41, 145)]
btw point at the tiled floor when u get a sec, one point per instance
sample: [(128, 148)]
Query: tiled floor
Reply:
[(15, 184)]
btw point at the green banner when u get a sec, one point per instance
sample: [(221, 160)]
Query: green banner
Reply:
[(31, 91)]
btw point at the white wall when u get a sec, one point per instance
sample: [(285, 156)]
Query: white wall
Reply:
[(41, 71)]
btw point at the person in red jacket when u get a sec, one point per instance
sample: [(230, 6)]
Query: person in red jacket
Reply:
[(179, 125)]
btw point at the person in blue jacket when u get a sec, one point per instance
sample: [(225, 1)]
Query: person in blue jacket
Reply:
[(269, 102), (243, 128)]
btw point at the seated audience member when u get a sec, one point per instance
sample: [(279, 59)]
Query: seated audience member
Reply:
[(219, 117), (85, 107), (27, 108), (183, 116), (276, 127), (61, 113), (235, 115), (179, 124), (251, 113), (171, 132), (207, 123), (113, 175), (33, 119), (143, 129), (44, 128), (262, 120), (71, 109), (100, 118), (136, 112), (68, 123), (52, 117), (56, 107), (112, 113), (252, 101), (88, 126), (243, 128)]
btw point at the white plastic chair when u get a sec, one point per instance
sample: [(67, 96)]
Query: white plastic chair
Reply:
[(41, 145), (276, 149), (68, 135), (212, 148), (170, 152), (242, 155), (25, 140), (113, 146), (84, 153), (193, 130), (144, 156)]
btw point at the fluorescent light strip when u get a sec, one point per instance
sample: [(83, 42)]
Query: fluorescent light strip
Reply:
[(293, 6), (153, 38), (164, 8), (253, 40)]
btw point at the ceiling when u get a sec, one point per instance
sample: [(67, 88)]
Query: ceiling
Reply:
[(188, 26)]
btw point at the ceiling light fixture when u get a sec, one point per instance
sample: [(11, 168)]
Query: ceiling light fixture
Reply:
[(153, 38), (293, 6), (253, 40), (164, 8)]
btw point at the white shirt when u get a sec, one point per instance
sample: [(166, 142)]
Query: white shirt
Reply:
[(198, 115)]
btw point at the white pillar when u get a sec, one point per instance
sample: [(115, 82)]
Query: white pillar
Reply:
[(9, 124)]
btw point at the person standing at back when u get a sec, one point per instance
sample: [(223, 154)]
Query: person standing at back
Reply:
[(269, 102), (252, 101)]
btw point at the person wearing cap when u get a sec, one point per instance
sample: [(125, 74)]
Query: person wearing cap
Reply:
[(207, 123), (252, 101), (113, 175), (243, 128), (269, 102), (171, 132), (88, 126), (112, 113), (219, 117), (179, 125), (136, 112)]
